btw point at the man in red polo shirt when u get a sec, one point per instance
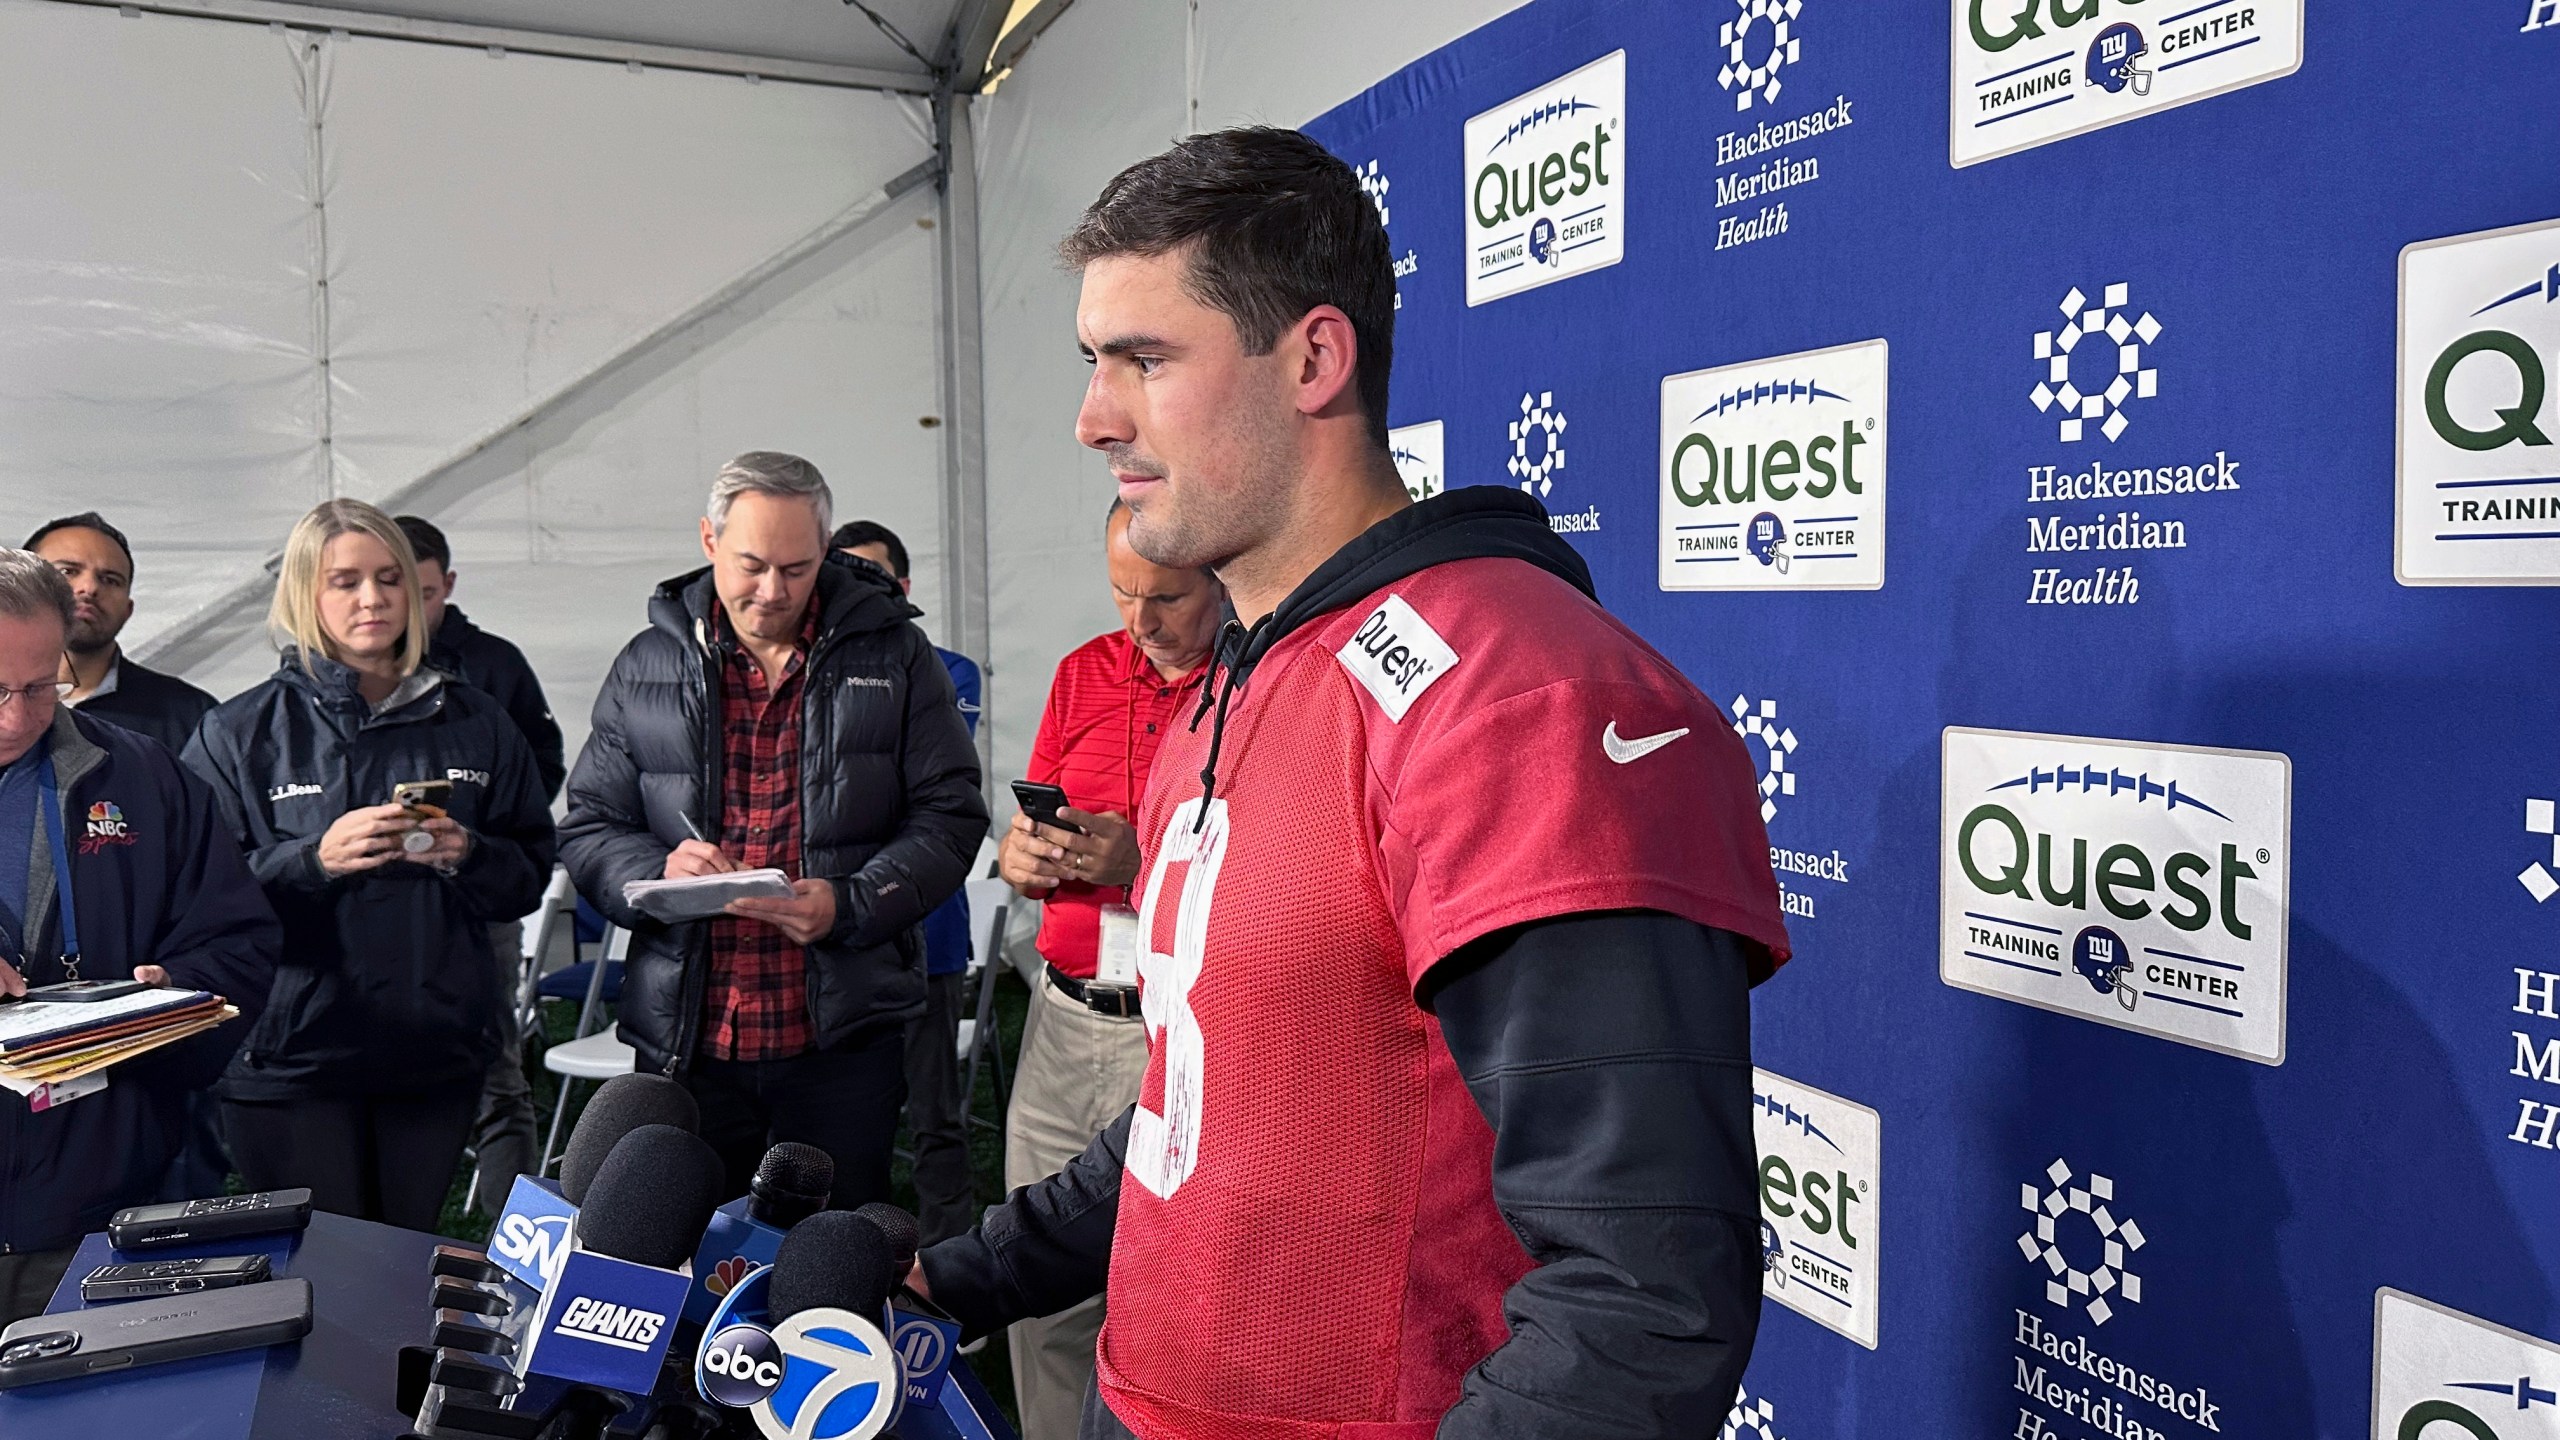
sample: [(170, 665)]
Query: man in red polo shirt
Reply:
[(1084, 1048), (1451, 905)]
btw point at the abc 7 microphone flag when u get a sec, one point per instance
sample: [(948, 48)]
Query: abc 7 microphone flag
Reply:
[(822, 1374)]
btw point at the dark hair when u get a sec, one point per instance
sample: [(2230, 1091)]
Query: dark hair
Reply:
[(872, 532), (1277, 226), (426, 540), (85, 520)]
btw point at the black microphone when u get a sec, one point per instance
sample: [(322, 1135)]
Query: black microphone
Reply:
[(903, 1236), (834, 1260), (651, 1197), (621, 1105), (793, 1182)]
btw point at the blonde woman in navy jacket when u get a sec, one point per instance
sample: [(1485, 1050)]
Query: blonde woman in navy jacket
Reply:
[(361, 1079)]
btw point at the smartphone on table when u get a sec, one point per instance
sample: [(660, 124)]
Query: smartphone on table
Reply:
[(149, 1332), (1042, 803)]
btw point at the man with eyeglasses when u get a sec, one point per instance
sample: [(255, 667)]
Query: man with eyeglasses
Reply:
[(114, 863), (93, 556)]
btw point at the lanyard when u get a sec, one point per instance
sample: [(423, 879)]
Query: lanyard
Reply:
[(49, 799)]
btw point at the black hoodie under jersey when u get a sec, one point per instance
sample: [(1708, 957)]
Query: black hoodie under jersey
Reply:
[(1610, 1052)]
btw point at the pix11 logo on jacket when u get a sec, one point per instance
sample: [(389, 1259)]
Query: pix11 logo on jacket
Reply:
[(2439, 1374), (2141, 886), (1421, 456), (1820, 1157), (2030, 72), (1547, 182), (1773, 473), (2479, 419)]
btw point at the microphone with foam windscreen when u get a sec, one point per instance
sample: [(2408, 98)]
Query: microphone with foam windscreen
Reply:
[(531, 1235), (805, 1344), (791, 1183), (621, 1105), (609, 1314)]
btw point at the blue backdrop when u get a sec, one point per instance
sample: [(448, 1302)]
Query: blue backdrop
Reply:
[(2258, 1195)]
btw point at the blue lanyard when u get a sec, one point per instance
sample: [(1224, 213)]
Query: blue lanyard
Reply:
[(49, 799)]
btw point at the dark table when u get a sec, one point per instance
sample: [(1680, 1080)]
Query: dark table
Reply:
[(369, 1297), (369, 1290)]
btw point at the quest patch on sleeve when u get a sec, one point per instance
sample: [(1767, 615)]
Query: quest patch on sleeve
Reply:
[(1396, 656)]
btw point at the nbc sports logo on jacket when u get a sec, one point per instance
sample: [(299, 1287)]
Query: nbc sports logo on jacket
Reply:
[(2141, 886)]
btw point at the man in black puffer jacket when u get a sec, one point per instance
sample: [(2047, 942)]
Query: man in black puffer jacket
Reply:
[(781, 710)]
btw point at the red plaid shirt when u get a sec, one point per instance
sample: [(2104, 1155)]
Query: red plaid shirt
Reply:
[(757, 1004)]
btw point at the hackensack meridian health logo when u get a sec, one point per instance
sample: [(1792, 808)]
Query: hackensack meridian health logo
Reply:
[(1546, 182), (2440, 1373), (1752, 1418), (1758, 43), (2092, 363), (1820, 1163), (2479, 410), (2030, 72), (1773, 473), (2092, 1271), (1421, 458), (1537, 458), (2142, 886), (1375, 184)]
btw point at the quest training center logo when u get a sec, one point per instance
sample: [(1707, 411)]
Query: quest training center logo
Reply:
[(1773, 473), (1537, 458), (2142, 886), (1421, 456), (2439, 1374), (1820, 1162), (1546, 182), (2479, 469), (2030, 72)]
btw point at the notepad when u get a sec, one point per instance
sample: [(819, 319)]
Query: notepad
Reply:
[(697, 897), (25, 1027)]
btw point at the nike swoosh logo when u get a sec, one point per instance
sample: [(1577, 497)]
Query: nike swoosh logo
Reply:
[(1626, 752)]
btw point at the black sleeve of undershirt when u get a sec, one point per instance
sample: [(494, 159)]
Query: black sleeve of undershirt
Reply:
[(1048, 1246), (1612, 1055)]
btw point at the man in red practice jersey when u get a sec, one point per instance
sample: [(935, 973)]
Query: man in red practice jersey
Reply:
[(1451, 897)]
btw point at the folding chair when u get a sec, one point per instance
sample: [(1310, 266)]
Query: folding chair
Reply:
[(597, 1056), (559, 898), (990, 901)]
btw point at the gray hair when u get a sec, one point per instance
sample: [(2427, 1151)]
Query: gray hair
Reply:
[(30, 586), (770, 472)]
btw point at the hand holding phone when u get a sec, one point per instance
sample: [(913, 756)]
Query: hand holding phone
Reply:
[(1042, 803)]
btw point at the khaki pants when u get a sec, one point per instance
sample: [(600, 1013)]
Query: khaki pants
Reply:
[(1079, 1071)]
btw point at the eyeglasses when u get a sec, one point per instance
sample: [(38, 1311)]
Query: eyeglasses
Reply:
[(47, 693)]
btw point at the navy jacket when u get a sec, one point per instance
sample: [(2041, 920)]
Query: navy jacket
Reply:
[(157, 882), (890, 809), (497, 669), (387, 984), (147, 702)]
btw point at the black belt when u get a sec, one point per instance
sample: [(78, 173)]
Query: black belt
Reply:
[(1120, 1001)]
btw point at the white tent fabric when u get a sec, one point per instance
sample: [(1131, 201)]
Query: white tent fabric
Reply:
[(252, 267), (1110, 83), (495, 228)]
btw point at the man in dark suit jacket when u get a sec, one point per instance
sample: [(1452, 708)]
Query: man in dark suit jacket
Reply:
[(106, 684)]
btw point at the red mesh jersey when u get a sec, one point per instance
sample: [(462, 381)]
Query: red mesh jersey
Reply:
[(1308, 1246)]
